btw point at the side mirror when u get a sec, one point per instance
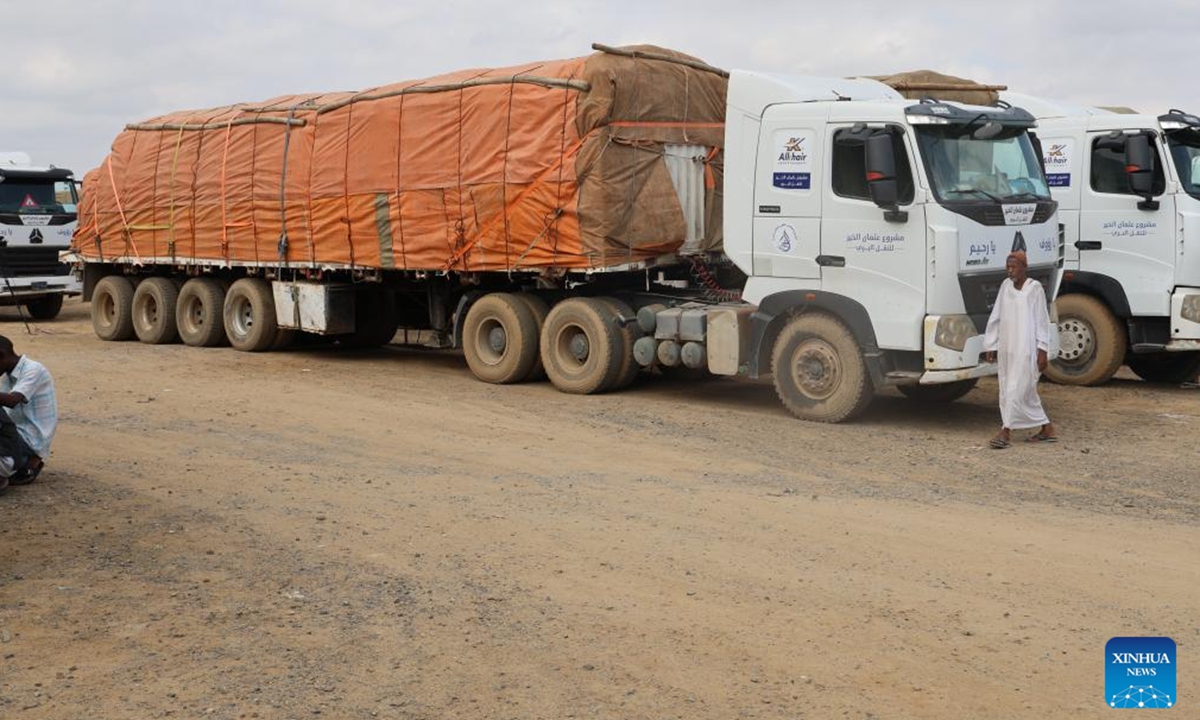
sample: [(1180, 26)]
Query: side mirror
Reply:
[(1139, 169), (881, 176)]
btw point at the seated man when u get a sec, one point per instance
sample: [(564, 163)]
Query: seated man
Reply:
[(27, 392)]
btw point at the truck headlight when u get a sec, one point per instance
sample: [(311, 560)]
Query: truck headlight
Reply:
[(953, 331), (1191, 308)]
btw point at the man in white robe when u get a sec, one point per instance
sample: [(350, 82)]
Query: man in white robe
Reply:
[(1018, 336)]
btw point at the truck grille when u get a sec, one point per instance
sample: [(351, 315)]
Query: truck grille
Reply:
[(31, 261)]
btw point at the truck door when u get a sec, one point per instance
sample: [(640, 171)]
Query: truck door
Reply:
[(869, 254), (1132, 245), (787, 203)]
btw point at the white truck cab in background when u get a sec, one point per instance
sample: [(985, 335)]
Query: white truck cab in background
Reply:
[(1128, 188), (37, 220), (873, 231)]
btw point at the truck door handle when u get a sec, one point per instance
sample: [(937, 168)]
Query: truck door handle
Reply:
[(831, 261), (1088, 245)]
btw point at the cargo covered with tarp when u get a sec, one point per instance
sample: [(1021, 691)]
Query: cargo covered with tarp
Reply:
[(920, 84), (593, 162)]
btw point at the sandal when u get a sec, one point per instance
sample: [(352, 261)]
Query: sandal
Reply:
[(999, 443), (1040, 438)]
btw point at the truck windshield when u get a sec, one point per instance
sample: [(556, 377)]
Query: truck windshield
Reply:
[(965, 169), (1185, 148), (37, 197)]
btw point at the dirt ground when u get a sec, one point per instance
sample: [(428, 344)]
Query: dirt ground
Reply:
[(314, 533)]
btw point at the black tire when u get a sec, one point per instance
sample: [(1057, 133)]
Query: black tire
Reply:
[(45, 308), (200, 312), (940, 393), (1167, 367), (500, 339), (112, 308), (375, 318), (579, 346), (540, 309), (819, 370), (1092, 342), (249, 315), (154, 303), (627, 335)]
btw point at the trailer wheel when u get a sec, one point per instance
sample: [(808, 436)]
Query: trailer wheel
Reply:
[(819, 370), (1091, 342), (45, 308), (200, 312), (375, 318), (249, 315), (540, 310), (154, 302), (579, 346), (500, 339), (1168, 367), (626, 336), (112, 308), (940, 393)]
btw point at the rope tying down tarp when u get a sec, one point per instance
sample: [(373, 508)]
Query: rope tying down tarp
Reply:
[(477, 81), (281, 247), (121, 211), (189, 127)]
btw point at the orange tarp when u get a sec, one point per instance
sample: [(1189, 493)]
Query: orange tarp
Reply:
[(550, 164)]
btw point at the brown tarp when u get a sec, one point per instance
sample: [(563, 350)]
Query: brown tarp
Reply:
[(919, 84), (550, 164)]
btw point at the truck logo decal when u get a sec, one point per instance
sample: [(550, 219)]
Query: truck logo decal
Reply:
[(1058, 163), (793, 161), (785, 238), (1019, 243), (35, 237)]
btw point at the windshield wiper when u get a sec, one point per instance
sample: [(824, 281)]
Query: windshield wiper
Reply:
[(977, 191), (1026, 196)]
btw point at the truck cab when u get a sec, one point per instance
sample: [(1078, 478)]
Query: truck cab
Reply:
[(37, 221), (859, 214), (1130, 207)]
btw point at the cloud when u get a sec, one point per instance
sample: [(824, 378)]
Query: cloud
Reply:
[(69, 85)]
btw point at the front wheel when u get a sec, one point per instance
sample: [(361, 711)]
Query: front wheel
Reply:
[(1168, 367), (940, 393), (1091, 342), (819, 370), (45, 308)]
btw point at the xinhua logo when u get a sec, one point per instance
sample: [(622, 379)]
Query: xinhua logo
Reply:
[(1140, 672)]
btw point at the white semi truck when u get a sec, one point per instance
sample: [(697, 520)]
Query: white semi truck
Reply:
[(865, 238), (37, 220), (1128, 188)]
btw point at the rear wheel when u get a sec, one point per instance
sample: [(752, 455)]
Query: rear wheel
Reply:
[(540, 309), (1091, 342), (249, 315), (579, 346), (199, 313), (940, 393), (112, 308), (154, 303), (819, 370), (45, 308), (627, 335), (1173, 368), (500, 339)]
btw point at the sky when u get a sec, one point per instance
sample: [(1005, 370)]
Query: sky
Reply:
[(77, 71)]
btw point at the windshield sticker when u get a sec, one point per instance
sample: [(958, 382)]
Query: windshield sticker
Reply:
[(1129, 228), (793, 160), (1058, 163), (35, 220), (29, 202), (786, 238), (1019, 214), (867, 243)]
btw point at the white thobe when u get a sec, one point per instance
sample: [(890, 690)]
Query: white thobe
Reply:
[(1018, 327)]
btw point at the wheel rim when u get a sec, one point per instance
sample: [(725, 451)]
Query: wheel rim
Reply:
[(1076, 341), (573, 347), (816, 369), (243, 316), (108, 310), (148, 311), (193, 313), (491, 341)]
